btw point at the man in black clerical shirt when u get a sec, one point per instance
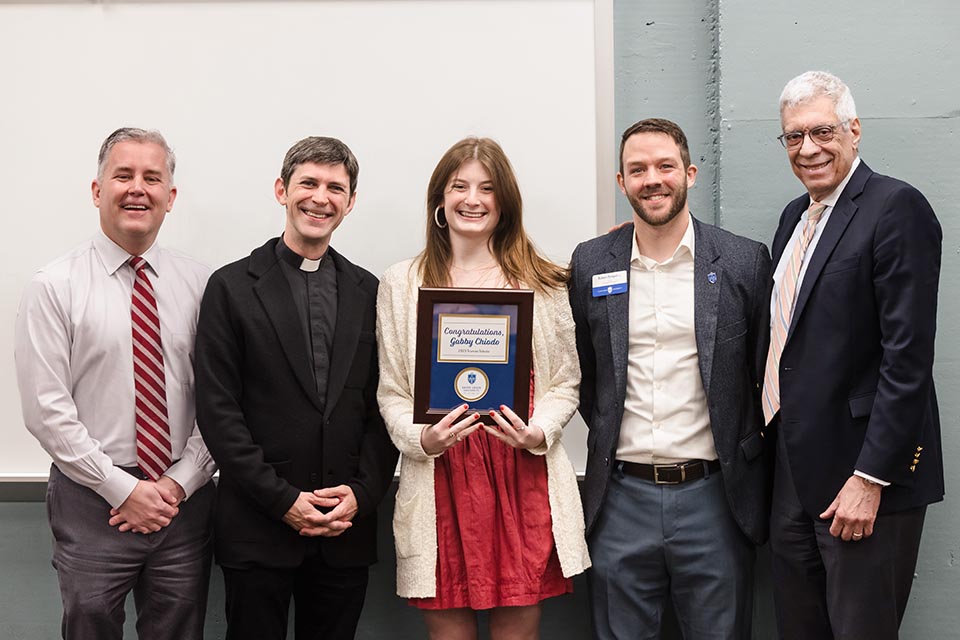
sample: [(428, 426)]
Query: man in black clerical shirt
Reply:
[(286, 371)]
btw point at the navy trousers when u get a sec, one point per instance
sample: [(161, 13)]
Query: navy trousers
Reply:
[(828, 589)]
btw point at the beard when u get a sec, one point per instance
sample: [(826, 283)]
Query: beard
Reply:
[(658, 220)]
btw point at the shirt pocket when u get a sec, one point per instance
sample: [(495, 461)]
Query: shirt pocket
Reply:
[(178, 356)]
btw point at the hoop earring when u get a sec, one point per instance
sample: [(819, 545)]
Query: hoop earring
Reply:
[(436, 217)]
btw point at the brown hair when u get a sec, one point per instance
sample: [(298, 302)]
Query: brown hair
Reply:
[(515, 253), (320, 150), (658, 125)]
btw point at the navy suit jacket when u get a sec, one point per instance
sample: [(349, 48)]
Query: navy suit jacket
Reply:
[(856, 383), (262, 419), (731, 314)]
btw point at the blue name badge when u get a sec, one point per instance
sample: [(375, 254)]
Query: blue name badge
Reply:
[(607, 284)]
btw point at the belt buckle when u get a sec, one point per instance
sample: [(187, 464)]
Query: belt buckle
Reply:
[(658, 467)]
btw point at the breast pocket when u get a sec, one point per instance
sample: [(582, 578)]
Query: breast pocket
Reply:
[(178, 356), (842, 265), (732, 330)]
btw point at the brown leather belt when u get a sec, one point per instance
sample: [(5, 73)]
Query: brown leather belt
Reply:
[(670, 473)]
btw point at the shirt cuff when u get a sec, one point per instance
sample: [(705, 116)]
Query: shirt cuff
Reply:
[(188, 477), (117, 487), (869, 478)]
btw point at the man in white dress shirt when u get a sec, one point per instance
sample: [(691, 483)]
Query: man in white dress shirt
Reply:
[(671, 327), (103, 345)]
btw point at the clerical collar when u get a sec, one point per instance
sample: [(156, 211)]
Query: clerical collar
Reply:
[(292, 258)]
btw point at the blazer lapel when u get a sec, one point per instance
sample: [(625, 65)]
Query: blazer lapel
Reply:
[(274, 294), (618, 306), (785, 230), (351, 301), (840, 217), (707, 279)]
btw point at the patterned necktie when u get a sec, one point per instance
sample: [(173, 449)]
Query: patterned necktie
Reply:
[(154, 454), (783, 313)]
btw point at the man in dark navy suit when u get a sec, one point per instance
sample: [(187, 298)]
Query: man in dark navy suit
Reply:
[(848, 381)]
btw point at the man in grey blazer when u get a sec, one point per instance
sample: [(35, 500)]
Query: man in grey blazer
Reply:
[(671, 316)]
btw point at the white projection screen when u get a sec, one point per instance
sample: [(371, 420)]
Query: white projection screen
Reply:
[(233, 84)]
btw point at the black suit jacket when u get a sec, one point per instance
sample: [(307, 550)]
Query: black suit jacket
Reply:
[(731, 288), (261, 418), (856, 382)]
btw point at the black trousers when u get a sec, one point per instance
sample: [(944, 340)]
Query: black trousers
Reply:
[(327, 601), (828, 589)]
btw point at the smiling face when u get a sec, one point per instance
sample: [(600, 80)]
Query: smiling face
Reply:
[(134, 193), (317, 200), (820, 167), (469, 202), (654, 179)]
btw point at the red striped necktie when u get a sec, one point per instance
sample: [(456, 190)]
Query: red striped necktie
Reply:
[(154, 454)]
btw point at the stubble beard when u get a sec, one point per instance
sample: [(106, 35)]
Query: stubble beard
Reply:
[(679, 202)]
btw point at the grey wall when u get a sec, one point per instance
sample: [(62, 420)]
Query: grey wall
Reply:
[(719, 66), (665, 62)]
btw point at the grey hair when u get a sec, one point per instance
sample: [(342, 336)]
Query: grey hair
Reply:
[(128, 134), (816, 84), (320, 150)]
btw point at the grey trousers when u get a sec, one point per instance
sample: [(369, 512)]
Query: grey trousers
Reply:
[(97, 566), (653, 540)]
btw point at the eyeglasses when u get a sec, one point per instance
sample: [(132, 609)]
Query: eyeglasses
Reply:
[(818, 135)]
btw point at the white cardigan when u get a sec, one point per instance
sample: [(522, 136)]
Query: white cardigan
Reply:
[(557, 373)]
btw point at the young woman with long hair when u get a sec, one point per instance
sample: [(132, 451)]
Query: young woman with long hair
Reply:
[(487, 518)]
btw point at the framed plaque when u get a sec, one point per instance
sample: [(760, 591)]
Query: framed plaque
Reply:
[(473, 347)]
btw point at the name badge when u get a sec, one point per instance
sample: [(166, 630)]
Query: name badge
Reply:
[(606, 284)]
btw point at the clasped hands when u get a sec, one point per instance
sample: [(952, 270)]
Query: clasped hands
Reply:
[(306, 517), (454, 428), (151, 506)]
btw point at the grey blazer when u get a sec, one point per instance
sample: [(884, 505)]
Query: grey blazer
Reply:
[(732, 280)]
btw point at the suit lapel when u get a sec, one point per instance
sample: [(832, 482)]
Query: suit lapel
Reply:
[(840, 217), (618, 306), (790, 220), (707, 279), (351, 301), (273, 291)]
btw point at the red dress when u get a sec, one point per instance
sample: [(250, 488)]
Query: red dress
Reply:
[(494, 535)]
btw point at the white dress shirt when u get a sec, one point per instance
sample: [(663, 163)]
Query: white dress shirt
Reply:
[(830, 201), (74, 361), (665, 418)]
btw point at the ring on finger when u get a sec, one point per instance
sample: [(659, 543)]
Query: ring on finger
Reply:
[(521, 427), (857, 536)]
